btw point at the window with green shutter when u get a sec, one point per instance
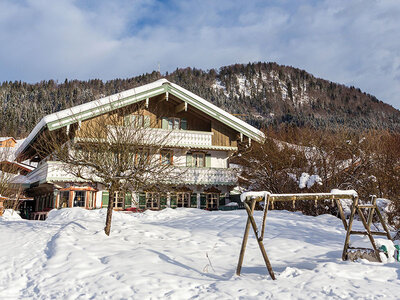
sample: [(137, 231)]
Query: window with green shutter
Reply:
[(164, 124), (146, 121), (142, 200), (189, 159), (173, 200), (128, 199), (208, 160), (163, 201), (193, 200), (203, 201), (105, 198), (183, 124)]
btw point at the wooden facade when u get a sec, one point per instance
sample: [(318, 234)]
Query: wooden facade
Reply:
[(8, 142)]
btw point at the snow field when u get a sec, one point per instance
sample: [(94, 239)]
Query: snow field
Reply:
[(163, 255)]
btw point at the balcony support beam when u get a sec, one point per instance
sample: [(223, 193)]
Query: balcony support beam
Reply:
[(181, 107)]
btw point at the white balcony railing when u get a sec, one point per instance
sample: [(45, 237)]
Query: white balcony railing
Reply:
[(167, 137), (225, 176), (53, 171)]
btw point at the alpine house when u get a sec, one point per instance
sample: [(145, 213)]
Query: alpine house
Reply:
[(205, 137)]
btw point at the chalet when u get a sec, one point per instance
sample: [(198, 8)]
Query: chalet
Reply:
[(205, 137), (7, 142)]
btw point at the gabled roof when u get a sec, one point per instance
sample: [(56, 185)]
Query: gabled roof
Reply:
[(6, 138), (109, 103)]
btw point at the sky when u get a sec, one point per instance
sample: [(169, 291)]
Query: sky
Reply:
[(352, 42)]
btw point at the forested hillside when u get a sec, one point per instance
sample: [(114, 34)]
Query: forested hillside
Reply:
[(261, 93)]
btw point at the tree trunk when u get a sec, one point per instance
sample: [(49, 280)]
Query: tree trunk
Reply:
[(110, 207)]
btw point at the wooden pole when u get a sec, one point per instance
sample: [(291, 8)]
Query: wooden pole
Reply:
[(347, 240), (264, 218), (371, 239), (244, 242), (341, 213), (371, 212), (260, 244), (383, 224)]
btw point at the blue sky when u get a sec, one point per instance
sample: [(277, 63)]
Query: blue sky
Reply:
[(351, 42)]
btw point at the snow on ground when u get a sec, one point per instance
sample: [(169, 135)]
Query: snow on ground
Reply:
[(163, 255)]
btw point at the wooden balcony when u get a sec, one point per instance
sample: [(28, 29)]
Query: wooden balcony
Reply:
[(174, 138), (53, 171)]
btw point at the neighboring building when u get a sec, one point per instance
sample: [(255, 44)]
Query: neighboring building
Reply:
[(204, 137), (8, 142)]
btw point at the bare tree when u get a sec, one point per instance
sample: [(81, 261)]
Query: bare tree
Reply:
[(9, 190), (122, 150)]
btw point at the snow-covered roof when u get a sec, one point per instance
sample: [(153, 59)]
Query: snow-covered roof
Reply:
[(87, 110), (5, 138)]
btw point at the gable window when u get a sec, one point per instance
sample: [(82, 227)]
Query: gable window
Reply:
[(174, 123), (137, 121), (166, 157)]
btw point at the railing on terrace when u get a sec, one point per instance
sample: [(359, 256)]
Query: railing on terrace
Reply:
[(169, 137), (54, 171)]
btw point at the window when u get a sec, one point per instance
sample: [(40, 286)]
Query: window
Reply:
[(142, 157), (174, 123), (198, 160), (137, 121), (166, 157), (79, 199), (119, 199), (212, 201), (183, 200), (153, 200), (64, 199)]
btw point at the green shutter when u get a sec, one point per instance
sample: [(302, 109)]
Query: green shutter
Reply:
[(183, 124), (164, 123), (193, 200), (203, 201), (105, 198), (128, 199), (134, 121), (127, 120), (142, 200), (146, 121), (208, 160), (221, 199), (189, 160), (173, 200), (163, 201)]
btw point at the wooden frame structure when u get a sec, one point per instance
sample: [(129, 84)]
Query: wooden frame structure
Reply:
[(250, 203)]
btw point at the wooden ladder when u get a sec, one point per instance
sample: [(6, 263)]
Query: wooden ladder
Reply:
[(372, 209)]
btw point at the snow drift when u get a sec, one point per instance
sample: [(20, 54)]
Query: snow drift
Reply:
[(183, 254)]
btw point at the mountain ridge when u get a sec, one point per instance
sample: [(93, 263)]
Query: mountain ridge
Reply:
[(260, 93)]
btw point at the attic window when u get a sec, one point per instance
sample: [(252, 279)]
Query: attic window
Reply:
[(174, 123), (137, 121)]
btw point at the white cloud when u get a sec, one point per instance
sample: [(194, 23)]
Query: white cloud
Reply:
[(351, 42)]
